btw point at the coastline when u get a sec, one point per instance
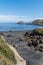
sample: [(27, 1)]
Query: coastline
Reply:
[(32, 57)]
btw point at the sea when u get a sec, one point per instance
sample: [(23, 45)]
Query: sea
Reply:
[(17, 27)]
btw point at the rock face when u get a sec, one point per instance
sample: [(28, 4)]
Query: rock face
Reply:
[(20, 22), (37, 22)]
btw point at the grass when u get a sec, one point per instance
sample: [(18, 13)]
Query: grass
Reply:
[(5, 60), (6, 51), (38, 31)]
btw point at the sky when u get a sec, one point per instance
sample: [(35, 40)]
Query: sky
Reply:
[(17, 10)]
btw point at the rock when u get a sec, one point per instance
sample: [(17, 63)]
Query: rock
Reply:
[(34, 39), (36, 48), (34, 43), (8, 35), (13, 45), (41, 41), (26, 34), (41, 48), (29, 43), (20, 22)]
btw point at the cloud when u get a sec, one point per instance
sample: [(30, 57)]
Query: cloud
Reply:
[(12, 18)]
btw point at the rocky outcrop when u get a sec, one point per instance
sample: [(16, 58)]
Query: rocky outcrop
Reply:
[(20, 22), (34, 38), (37, 22)]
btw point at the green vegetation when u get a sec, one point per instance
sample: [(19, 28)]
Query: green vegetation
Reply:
[(6, 51), (38, 31)]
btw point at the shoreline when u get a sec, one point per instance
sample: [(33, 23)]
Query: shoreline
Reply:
[(14, 31), (32, 57)]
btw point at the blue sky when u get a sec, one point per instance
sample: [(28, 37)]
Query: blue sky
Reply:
[(26, 10)]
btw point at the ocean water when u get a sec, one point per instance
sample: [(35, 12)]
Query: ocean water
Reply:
[(17, 27)]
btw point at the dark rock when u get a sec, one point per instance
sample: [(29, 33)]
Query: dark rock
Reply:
[(41, 47), (41, 40), (26, 34), (29, 43), (34, 43), (40, 50), (13, 45), (20, 22), (8, 35), (21, 39)]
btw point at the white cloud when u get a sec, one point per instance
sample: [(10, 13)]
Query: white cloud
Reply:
[(12, 18)]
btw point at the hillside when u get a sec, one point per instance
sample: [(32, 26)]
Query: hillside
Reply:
[(6, 54), (37, 22)]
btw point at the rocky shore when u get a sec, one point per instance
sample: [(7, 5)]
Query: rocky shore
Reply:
[(34, 39), (29, 44)]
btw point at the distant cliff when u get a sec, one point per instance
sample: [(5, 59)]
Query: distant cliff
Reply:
[(37, 22)]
